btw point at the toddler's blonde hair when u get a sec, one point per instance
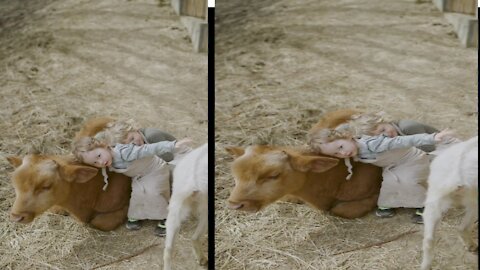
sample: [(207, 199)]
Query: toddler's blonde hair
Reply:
[(117, 131), (366, 123), (326, 135), (86, 144)]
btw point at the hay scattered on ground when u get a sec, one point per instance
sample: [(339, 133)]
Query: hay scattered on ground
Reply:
[(279, 66)]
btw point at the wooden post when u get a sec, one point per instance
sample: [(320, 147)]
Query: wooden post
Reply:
[(194, 15), (457, 6), (462, 14), (193, 8)]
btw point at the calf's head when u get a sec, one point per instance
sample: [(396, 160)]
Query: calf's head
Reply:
[(41, 182), (264, 174)]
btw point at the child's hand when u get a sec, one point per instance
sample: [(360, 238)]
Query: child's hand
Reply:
[(444, 135), (183, 145)]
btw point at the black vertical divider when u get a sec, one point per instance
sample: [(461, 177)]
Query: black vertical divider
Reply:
[(211, 138)]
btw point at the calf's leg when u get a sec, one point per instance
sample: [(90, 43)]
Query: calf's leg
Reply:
[(109, 221), (355, 209)]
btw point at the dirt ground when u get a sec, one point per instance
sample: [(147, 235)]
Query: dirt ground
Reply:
[(280, 65), (62, 62)]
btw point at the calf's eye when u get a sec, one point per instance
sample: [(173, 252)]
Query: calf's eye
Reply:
[(273, 176)]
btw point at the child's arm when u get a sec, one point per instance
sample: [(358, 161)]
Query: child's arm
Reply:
[(153, 135), (383, 143), (131, 152), (411, 127)]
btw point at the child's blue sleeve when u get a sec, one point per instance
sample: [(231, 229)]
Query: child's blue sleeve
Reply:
[(131, 152), (378, 144)]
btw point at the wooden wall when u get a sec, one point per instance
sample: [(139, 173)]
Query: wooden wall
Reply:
[(193, 8), (457, 6)]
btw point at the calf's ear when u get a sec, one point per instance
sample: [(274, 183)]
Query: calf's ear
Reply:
[(78, 173), (312, 163), (235, 151), (15, 161)]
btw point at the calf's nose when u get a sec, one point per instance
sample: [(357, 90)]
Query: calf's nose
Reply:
[(234, 205), (16, 217)]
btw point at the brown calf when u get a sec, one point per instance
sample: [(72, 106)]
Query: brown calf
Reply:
[(43, 181), (264, 174)]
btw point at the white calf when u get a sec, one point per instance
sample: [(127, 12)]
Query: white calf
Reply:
[(189, 194), (453, 180)]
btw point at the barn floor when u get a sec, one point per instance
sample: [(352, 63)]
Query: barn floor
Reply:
[(280, 65), (62, 62)]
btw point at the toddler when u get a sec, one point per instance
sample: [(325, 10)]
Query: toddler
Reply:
[(126, 131), (150, 174), (405, 167), (379, 123)]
